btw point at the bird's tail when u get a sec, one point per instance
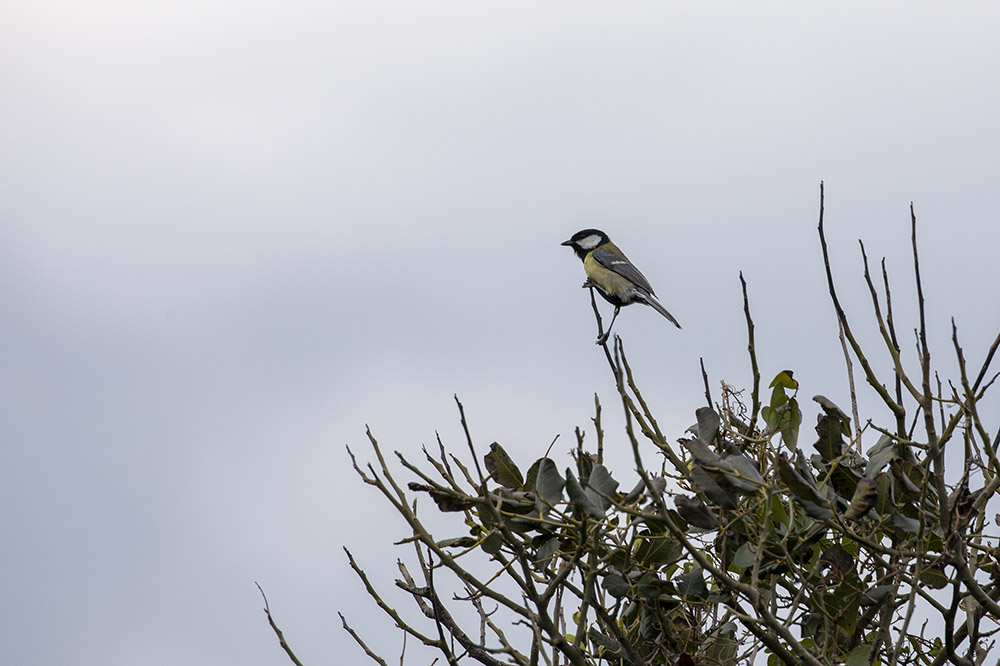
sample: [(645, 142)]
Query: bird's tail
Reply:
[(655, 304)]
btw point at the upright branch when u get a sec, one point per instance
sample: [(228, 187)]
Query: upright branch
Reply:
[(752, 351), (888, 337), (893, 344), (927, 396), (897, 409)]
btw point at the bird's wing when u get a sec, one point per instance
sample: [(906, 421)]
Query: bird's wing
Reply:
[(620, 264)]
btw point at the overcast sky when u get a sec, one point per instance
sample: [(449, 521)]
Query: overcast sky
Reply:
[(234, 233)]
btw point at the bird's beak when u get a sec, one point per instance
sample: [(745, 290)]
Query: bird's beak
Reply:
[(569, 242)]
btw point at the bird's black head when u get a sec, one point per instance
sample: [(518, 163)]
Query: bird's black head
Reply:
[(584, 241)]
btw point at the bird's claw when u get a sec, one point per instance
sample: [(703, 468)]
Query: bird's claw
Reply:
[(588, 283)]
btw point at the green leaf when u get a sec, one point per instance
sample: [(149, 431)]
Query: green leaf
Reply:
[(658, 484), (859, 656), (648, 585), (708, 424), (658, 550), (785, 419), (791, 419), (579, 498), (744, 557), (458, 542), (835, 413), (585, 462), (842, 604), (837, 562), (784, 380), (608, 648), (779, 514), (634, 494), (696, 513), (830, 429), (704, 482), (880, 455), (723, 647), (875, 594), (702, 453), (532, 475), (447, 500), (864, 498), (905, 523), (719, 478), (502, 468), (934, 577), (518, 501), (493, 542), (745, 475), (844, 477), (601, 486), (615, 584), (548, 548), (548, 485), (909, 477), (803, 488), (885, 504), (692, 584)]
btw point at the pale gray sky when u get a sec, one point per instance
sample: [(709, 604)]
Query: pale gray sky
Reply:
[(232, 234)]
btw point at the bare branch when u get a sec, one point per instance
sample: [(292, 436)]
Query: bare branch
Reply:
[(359, 641), (276, 630), (752, 351), (897, 409), (468, 439)]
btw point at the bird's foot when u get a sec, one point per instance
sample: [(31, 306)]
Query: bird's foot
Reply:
[(588, 283)]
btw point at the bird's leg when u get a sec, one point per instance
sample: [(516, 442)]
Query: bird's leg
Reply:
[(588, 283), (604, 338)]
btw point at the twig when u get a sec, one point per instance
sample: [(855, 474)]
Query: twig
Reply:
[(704, 377), (987, 362), (894, 343), (277, 631), (359, 641), (468, 439), (925, 354), (754, 370), (897, 409), (934, 444), (436, 611), (598, 429), (386, 608), (601, 337), (850, 382), (395, 495)]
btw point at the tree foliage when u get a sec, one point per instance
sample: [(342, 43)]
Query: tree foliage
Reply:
[(740, 542)]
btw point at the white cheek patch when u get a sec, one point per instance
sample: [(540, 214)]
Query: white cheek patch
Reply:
[(590, 242)]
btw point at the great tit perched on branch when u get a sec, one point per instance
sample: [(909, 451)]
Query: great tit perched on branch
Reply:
[(614, 276)]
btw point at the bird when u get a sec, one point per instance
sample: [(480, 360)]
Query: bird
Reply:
[(613, 275)]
